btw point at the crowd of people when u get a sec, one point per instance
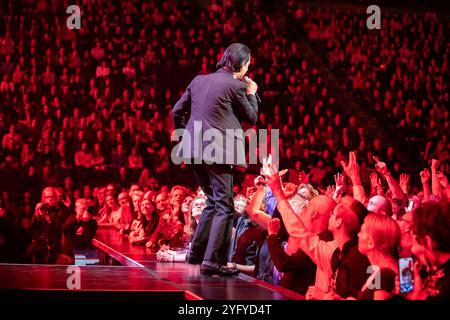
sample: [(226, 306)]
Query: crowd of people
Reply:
[(85, 125), (399, 73), (324, 245)]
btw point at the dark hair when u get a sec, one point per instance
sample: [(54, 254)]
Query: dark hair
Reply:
[(360, 210), (432, 219), (92, 210), (406, 271), (234, 57)]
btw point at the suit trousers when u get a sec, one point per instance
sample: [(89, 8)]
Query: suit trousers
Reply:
[(213, 233)]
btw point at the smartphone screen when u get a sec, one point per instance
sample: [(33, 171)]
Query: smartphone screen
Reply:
[(406, 274)]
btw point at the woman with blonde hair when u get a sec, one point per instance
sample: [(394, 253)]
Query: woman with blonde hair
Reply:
[(379, 239), (109, 213)]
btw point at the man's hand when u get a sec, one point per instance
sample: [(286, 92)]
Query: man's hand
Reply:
[(435, 165), (419, 293), (381, 167), (164, 247), (375, 182), (425, 176), (404, 182), (330, 191), (164, 256), (339, 180), (273, 226), (352, 169), (290, 189), (315, 293), (442, 180), (268, 168), (273, 180), (303, 178), (252, 87), (274, 184)]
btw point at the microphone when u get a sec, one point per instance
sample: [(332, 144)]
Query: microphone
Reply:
[(247, 79)]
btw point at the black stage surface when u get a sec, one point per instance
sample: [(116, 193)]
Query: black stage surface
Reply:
[(133, 271)]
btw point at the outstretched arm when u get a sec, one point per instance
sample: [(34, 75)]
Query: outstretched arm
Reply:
[(254, 211), (425, 179), (397, 191), (444, 184), (352, 171), (435, 184)]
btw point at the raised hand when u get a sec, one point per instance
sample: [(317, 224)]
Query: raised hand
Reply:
[(274, 183), (303, 178), (352, 169), (290, 189), (374, 180), (381, 167), (273, 226), (425, 176), (268, 168), (443, 180), (404, 182), (339, 180), (434, 164), (330, 191)]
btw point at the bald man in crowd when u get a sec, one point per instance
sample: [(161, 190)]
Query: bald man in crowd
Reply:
[(340, 265)]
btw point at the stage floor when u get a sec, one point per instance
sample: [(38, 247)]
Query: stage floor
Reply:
[(133, 273), (187, 277), (42, 281)]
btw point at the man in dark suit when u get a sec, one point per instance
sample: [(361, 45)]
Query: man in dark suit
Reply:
[(210, 112)]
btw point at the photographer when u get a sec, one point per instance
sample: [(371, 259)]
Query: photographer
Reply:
[(86, 225), (45, 236)]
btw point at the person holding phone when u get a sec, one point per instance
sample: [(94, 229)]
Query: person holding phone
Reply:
[(431, 245)]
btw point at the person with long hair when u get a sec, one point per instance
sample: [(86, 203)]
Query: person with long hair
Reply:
[(109, 213), (379, 239), (147, 225)]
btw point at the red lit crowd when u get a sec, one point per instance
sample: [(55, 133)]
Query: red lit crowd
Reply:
[(85, 124)]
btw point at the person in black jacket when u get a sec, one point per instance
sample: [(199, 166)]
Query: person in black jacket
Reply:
[(45, 234), (78, 230), (87, 227), (215, 104)]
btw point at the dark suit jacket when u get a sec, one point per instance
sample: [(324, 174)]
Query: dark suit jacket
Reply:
[(214, 101)]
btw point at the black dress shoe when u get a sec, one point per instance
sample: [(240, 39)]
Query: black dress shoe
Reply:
[(218, 271)]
